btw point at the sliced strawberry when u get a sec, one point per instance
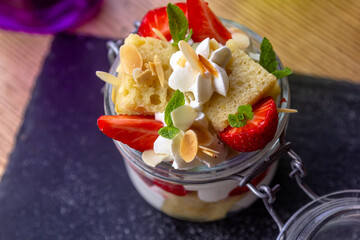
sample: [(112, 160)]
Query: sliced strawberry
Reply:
[(176, 189), (257, 132), (204, 22), (139, 132), (158, 18), (240, 190)]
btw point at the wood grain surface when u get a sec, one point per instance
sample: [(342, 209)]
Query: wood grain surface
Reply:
[(319, 38)]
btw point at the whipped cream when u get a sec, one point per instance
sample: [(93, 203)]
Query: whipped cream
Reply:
[(198, 88), (213, 192), (202, 86)]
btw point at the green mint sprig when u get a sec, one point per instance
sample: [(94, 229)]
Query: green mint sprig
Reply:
[(170, 131), (178, 24), (268, 60), (240, 119)]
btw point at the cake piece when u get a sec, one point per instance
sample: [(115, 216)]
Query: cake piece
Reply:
[(248, 83), (149, 93)]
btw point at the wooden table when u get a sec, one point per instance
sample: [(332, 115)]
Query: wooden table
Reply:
[(319, 38)]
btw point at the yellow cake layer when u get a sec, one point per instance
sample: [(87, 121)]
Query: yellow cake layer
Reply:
[(132, 98), (248, 83)]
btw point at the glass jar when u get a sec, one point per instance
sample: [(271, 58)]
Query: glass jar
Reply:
[(202, 193), (334, 216)]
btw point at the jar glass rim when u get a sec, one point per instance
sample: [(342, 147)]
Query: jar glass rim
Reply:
[(239, 163), (315, 215)]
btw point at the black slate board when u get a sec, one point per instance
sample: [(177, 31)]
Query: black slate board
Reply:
[(65, 179)]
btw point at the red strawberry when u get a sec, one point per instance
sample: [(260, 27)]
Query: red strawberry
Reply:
[(204, 22), (176, 189), (240, 190), (157, 18), (257, 132), (139, 132)]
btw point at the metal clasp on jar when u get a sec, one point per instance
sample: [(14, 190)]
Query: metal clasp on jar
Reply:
[(268, 194)]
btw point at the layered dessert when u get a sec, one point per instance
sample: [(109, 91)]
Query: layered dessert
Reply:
[(191, 94)]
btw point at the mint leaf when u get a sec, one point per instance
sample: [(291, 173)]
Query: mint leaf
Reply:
[(178, 23), (177, 100), (236, 120), (246, 110), (267, 56), (233, 121), (243, 115), (268, 60), (282, 73), (168, 132)]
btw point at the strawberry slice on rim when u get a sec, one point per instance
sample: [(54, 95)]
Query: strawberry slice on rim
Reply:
[(158, 18), (258, 132), (205, 23), (137, 131)]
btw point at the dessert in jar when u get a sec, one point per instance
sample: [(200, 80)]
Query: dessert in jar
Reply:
[(191, 103)]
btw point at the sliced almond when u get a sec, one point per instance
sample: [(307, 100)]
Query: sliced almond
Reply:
[(146, 65), (287, 110), (107, 77), (213, 44), (151, 158), (190, 55), (119, 68), (142, 77), (211, 154), (183, 117), (181, 61), (241, 39), (159, 70), (152, 68), (205, 138), (208, 66), (159, 34), (130, 58), (189, 146), (209, 151)]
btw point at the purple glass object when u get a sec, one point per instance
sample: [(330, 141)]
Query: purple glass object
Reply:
[(46, 16)]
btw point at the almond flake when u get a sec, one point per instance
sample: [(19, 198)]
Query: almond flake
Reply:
[(151, 158), (205, 138), (130, 58), (189, 146), (152, 68), (159, 34), (209, 151), (190, 55), (287, 110), (241, 39), (119, 68), (208, 66), (107, 77), (183, 117), (211, 154), (213, 44), (181, 61), (142, 77), (159, 70)]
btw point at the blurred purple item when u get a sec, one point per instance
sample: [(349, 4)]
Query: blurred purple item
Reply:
[(46, 16)]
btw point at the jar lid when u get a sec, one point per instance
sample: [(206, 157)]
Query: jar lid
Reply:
[(333, 216)]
